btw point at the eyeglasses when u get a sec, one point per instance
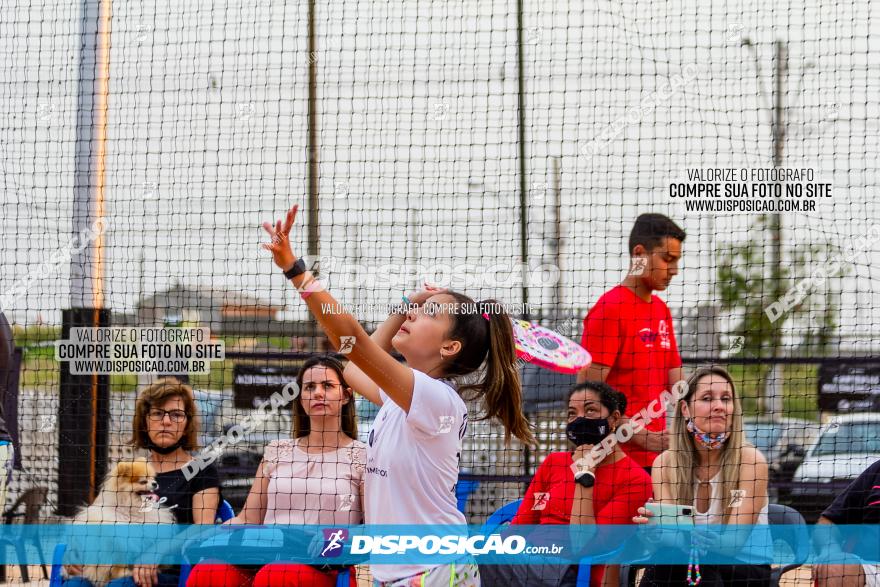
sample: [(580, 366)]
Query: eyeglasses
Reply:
[(158, 414), (328, 386)]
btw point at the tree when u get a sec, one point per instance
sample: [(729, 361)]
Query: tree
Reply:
[(748, 283)]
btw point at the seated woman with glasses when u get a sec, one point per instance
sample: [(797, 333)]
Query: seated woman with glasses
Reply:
[(316, 478), (165, 423)]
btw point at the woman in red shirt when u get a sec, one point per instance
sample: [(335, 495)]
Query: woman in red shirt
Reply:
[(609, 491)]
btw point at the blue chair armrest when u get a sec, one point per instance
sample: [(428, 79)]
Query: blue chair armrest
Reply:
[(55, 579)]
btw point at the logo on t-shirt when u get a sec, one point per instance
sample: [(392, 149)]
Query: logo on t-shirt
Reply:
[(649, 337), (372, 469), (664, 334), (541, 500), (334, 538), (346, 500), (445, 424)]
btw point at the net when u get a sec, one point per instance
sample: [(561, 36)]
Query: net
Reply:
[(506, 152)]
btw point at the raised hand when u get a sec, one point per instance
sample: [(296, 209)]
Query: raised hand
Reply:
[(280, 244), (421, 296)]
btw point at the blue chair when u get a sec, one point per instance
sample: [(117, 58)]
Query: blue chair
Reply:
[(505, 514), (224, 512), (463, 491), (777, 515)]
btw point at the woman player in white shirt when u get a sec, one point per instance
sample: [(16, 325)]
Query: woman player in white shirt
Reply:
[(414, 447)]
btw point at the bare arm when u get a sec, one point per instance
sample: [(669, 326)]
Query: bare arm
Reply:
[(655, 441), (662, 491), (675, 375), (382, 336), (658, 441), (377, 364), (753, 485), (745, 507), (582, 509), (254, 510), (593, 372), (204, 506)]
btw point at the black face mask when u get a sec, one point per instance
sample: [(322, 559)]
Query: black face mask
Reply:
[(162, 450), (587, 430)]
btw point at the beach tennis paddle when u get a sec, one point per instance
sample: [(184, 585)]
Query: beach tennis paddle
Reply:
[(548, 349)]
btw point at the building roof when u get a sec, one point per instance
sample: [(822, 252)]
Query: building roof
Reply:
[(200, 296)]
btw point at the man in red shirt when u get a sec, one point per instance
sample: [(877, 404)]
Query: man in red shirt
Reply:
[(629, 332)]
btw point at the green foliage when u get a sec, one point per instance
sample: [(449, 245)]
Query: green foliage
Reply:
[(748, 282)]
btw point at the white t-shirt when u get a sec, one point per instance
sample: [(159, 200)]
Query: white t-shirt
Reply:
[(412, 463)]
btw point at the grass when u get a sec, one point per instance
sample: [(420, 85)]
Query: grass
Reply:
[(799, 389)]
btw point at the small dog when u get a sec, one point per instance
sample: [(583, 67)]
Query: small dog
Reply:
[(127, 497)]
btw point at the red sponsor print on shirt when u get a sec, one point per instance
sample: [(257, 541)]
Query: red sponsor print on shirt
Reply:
[(649, 337), (875, 502)]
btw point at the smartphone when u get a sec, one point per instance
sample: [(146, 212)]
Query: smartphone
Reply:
[(669, 514)]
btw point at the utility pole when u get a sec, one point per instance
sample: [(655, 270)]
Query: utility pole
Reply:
[(557, 241), (312, 171), (773, 396), (313, 135)]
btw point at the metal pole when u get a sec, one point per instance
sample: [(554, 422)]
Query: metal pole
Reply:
[(523, 193), (313, 246), (557, 239), (84, 407), (312, 171)]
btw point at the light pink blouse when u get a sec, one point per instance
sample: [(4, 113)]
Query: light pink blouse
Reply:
[(307, 488)]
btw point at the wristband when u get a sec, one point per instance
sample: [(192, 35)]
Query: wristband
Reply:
[(313, 286), (585, 478), (298, 269)]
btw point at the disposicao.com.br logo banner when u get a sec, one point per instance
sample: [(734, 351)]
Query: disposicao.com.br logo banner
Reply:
[(320, 545)]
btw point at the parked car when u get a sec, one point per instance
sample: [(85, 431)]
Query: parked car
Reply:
[(783, 442), (846, 446), (793, 444)]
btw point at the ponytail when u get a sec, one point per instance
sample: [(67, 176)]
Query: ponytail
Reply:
[(486, 337)]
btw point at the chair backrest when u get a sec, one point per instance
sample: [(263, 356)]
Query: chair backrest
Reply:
[(225, 511), (783, 515), (33, 500), (33, 503), (503, 515), (463, 491)]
